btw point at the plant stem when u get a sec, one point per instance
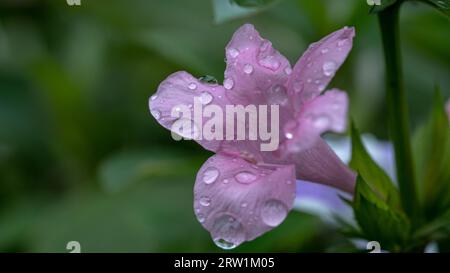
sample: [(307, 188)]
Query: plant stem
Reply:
[(398, 109)]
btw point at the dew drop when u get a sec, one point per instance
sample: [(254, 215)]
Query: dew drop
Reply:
[(273, 212), (154, 97), (210, 175), (248, 69), (324, 50), (201, 218), (277, 94), (156, 114), (321, 122), (269, 62), (192, 86), (244, 204), (233, 52), (245, 177), (205, 97), (186, 128), (321, 87), (225, 181), (298, 86), (227, 232), (288, 70), (228, 83), (223, 244), (329, 68), (289, 129), (342, 42), (205, 201), (264, 45)]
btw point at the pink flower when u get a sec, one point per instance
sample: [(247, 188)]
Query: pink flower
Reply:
[(241, 192)]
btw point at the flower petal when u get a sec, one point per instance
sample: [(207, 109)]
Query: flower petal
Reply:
[(315, 69), (256, 73), (322, 201), (327, 112), (237, 201), (320, 164), (176, 94)]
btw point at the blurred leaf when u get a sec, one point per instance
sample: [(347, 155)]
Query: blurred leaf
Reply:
[(384, 4), (125, 168), (252, 3), (377, 221), (378, 181), (227, 10), (441, 5), (431, 147)]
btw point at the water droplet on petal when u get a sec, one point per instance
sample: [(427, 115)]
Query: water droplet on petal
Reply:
[(233, 52), (154, 97), (205, 97), (321, 87), (277, 94), (223, 244), (289, 129), (192, 86), (270, 62), (201, 218), (324, 50), (248, 69), (273, 212), (329, 68), (309, 80), (186, 128), (210, 175), (342, 42), (288, 70), (227, 232), (156, 114), (228, 83), (321, 121), (298, 86), (264, 45), (205, 201), (244, 205), (226, 181), (245, 177)]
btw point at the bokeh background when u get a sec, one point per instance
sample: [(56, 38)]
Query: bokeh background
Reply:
[(81, 158)]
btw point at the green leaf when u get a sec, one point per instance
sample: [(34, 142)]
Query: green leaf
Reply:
[(441, 5), (378, 181), (252, 3), (377, 221), (226, 10), (383, 5), (431, 148)]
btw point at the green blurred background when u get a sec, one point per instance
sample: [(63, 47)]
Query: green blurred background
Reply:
[(81, 158)]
